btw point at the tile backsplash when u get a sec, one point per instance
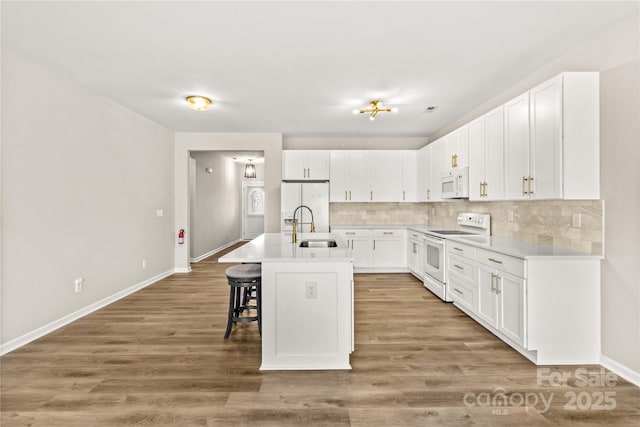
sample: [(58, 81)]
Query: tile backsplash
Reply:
[(549, 222)]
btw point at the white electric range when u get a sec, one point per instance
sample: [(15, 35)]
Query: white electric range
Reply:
[(435, 278)]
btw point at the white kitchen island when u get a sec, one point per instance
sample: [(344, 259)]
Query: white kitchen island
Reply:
[(307, 301)]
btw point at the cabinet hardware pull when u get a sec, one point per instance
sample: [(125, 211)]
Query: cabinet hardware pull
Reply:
[(458, 291), (495, 260), (374, 245), (308, 173), (458, 249), (403, 196), (345, 196), (481, 192), (524, 182), (454, 160), (493, 285), (371, 195), (428, 194), (350, 232), (349, 195), (498, 285), (485, 189), (458, 267), (530, 181), (387, 232)]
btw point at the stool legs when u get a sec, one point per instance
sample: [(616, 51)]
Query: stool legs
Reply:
[(240, 293)]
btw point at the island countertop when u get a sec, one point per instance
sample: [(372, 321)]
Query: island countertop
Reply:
[(278, 247)]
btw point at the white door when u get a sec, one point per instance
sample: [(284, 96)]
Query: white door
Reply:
[(252, 210), (487, 297), (512, 309), (476, 159), (409, 175), (385, 176), (357, 176), (516, 148), (494, 154), (339, 191), (318, 164)]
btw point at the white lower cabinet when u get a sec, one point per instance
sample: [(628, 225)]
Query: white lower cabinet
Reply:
[(546, 308), (500, 302), (415, 253), (376, 249), (388, 248)]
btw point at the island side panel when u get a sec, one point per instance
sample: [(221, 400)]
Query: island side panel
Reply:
[(306, 315)]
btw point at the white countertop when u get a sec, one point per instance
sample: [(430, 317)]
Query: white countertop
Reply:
[(503, 245), (521, 249), (278, 247)]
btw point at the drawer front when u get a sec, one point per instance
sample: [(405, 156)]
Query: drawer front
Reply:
[(461, 293), (350, 233), (502, 262), (462, 267), (391, 232), (461, 249), (414, 235)]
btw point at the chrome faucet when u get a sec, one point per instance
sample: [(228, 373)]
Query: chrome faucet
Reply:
[(294, 235)]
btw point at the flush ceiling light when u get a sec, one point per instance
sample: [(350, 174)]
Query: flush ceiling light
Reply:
[(250, 170), (375, 107), (198, 103)]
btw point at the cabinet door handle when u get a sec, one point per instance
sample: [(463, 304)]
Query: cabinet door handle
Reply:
[(493, 285), (481, 186), (374, 245), (454, 160), (308, 173), (458, 267), (414, 248), (428, 194), (350, 232), (371, 196), (349, 195), (458, 291), (458, 249), (345, 196), (530, 181), (387, 232), (495, 260), (403, 196), (498, 285), (524, 182), (485, 189)]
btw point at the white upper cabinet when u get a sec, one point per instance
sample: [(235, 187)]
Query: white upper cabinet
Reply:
[(309, 165), (552, 140), (457, 148), (438, 150), (348, 180), (385, 175), (516, 150), (486, 156), (409, 175), (424, 174)]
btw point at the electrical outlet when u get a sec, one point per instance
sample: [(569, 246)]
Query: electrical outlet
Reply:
[(78, 284), (576, 220), (159, 213), (144, 263), (312, 290)]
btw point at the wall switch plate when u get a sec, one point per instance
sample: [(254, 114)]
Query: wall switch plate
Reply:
[(144, 263), (159, 212), (312, 290), (576, 220), (78, 284)]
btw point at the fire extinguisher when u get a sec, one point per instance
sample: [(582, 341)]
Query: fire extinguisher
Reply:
[(181, 237)]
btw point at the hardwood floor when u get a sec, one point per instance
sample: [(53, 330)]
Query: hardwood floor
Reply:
[(158, 357)]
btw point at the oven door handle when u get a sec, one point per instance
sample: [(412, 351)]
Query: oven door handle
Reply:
[(434, 240)]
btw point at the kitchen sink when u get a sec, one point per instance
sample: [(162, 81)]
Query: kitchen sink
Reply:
[(318, 243)]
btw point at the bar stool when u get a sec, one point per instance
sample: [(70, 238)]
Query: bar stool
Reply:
[(244, 286)]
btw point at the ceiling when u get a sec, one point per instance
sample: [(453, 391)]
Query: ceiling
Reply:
[(300, 68)]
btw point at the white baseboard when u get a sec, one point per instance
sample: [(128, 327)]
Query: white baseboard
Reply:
[(621, 370), (56, 324), (182, 270), (214, 251)]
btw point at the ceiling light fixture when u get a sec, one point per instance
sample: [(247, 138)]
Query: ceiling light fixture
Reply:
[(198, 103), (250, 170), (375, 107)]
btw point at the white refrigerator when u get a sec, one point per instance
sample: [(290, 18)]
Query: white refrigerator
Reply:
[(315, 195)]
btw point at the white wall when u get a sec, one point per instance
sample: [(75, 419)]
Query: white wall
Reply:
[(269, 143), (619, 158), (217, 216), (82, 178), (614, 52)]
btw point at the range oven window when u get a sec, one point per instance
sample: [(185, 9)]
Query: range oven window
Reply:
[(433, 256)]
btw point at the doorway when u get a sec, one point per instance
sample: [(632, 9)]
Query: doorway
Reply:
[(252, 209)]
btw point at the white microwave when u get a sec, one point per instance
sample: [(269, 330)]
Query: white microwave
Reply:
[(455, 184)]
